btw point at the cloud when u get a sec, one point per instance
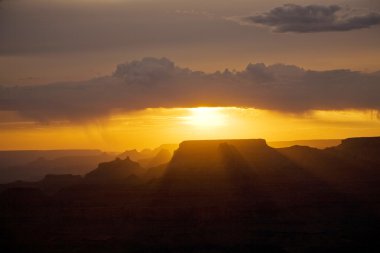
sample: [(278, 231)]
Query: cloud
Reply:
[(314, 18), (148, 71), (153, 83)]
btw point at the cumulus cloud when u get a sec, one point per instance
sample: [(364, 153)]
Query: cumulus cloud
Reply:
[(314, 18), (152, 83), (148, 71)]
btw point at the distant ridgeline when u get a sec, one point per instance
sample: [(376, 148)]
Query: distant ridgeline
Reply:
[(210, 196), (33, 165)]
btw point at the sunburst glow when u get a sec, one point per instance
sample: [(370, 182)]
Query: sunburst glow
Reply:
[(206, 117)]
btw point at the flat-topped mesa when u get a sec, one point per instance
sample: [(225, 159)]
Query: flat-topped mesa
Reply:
[(213, 154), (361, 143), (365, 149), (238, 142), (209, 167), (209, 150)]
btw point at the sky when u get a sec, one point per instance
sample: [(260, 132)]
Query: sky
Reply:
[(118, 74)]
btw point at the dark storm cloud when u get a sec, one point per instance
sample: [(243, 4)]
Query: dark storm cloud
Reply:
[(152, 83), (314, 18)]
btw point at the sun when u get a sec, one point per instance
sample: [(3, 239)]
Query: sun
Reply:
[(206, 117)]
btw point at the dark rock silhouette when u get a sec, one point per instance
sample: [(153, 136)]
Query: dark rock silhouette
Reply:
[(116, 171), (368, 143), (321, 144), (135, 155), (366, 150), (147, 154), (212, 196)]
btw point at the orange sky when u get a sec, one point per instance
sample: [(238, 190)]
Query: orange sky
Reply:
[(152, 127), (123, 74)]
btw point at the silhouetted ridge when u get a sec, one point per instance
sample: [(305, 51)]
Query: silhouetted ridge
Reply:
[(364, 152), (133, 154), (351, 166), (203, 144), (213, 196), (361, 143), (207, 156), (145, 155), (206, 152), (317, 143), (48, 162), (115, 171), (162, 157)]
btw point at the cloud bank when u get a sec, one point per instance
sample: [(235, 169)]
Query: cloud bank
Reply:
[(314, 18), (153, 83)]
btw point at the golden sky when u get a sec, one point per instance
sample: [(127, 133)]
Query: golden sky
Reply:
[(123, 74), (152, 127)]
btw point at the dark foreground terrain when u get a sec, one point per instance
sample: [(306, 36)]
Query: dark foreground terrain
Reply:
[(213, 196)]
